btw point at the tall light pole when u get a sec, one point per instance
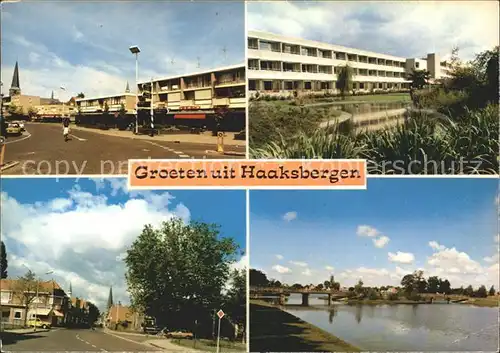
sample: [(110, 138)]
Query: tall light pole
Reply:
[(135, 50), (152, 110), (62, 88)]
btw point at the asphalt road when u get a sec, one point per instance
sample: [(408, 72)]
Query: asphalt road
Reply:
[(43, 151), (61, 339)]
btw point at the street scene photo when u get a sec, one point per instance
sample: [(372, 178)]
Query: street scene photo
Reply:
[(408, 265), (85, 87), (88, 266), (410, 86)]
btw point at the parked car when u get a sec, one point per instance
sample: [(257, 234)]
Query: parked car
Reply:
[(14, 129), (21, 125), (180, 334), (39, 323)]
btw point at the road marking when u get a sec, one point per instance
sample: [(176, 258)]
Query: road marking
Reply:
[(94, 346), (103, 350), (78, 138), (184, 155), (22, 139), (177, 152)]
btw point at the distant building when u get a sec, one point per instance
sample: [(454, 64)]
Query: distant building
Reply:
[(26, 104), (50, 305), (121, 317)]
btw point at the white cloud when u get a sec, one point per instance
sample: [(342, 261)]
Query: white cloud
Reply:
[(307, 272), (423, 27), (401, 257), (381, 241), (367, 231), (299, 263), (436, 246), (279, 257), (493, 258), (329, 268), (281, 269), (290, 216), (80, 237)]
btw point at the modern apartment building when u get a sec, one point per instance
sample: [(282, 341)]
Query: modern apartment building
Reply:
[(197, 97), (113, 104), (282, 65)]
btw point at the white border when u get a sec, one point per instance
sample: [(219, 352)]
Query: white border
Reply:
[(247, 120), (247, 252)]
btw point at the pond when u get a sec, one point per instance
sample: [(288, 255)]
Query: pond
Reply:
[(422, 327)]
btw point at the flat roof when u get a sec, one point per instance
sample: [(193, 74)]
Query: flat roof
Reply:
[(224, 68), (102, 97), (322, 45)]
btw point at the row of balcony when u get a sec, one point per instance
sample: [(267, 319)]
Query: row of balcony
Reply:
[(295, 49)]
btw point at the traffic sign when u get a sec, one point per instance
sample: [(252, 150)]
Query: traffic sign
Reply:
[(220, 314)]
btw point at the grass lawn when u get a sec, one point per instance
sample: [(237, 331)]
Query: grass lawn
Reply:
[(380, 97), (273, 330), (211, 345)]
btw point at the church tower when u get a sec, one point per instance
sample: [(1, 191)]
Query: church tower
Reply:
[(15, 87), (127, 89)]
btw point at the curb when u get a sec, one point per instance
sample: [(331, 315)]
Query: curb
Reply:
[(8, 165), (228, 153)]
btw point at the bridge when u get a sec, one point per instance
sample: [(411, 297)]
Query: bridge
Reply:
[(282, 293)]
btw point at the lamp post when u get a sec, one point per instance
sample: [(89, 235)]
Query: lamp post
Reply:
[(152, 110), (62, 88), (135, 50)]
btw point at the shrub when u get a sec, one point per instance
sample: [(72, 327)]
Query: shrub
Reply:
[(393, 296)]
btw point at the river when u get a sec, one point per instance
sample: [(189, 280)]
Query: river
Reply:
[(422, 327)]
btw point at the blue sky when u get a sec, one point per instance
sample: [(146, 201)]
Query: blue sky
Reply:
[(402, 28), (447, 227), (81, 228), (84, 45)]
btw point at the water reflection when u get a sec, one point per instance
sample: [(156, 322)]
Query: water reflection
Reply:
[(433, 327), (372, 107)]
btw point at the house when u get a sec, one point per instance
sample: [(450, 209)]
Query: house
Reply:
[(24, 301), (121, 317)]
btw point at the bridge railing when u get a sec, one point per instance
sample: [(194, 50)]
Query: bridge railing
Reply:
[(284, 290)]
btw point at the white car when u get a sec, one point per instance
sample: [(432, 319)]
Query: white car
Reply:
[(21, 125)]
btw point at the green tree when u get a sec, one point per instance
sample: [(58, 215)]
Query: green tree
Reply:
[(444, 286), (235, 299), (3, 261), (326, 284), (320, 286), (408, 283), (258, 278), (492, 291), (25, 289), (93, 313), (419, 78), (14, 109), (336, 286), (481, 292), (358, 288), (176, 273), (80, 95), (433, 284), (32, 112), (344, 80), (469, 291)]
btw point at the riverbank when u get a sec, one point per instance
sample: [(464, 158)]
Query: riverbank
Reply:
[(274, 330)]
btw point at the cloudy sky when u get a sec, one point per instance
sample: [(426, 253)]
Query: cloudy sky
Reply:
[(406, 29), (84, 45), (80, 229), (446, 227)]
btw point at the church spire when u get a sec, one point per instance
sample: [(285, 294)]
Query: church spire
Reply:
[(127, 89), (52, 96), (110, 297), (15, 87)]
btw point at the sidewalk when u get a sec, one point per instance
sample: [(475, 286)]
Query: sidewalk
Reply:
[(205, 138), (26, 330), (150, 341)]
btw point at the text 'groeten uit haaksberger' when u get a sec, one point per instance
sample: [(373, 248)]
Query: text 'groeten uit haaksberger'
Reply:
[(247, 172)]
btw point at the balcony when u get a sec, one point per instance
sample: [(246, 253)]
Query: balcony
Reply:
[(220, 101), (187, 103)]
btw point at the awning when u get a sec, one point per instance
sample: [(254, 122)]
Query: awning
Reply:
[(189, 116), (40, 312), (57, 313)]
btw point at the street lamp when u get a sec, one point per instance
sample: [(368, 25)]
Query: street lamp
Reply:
[(62, 88), (37, 290), (135, 50)]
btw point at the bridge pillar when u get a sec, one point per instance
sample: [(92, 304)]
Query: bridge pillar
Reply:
[(282, 299), (329, 299), (305, 299)]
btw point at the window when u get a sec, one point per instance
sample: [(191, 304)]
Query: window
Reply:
[(417, 64), (253, 43), (252, 86), (17, 315)]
